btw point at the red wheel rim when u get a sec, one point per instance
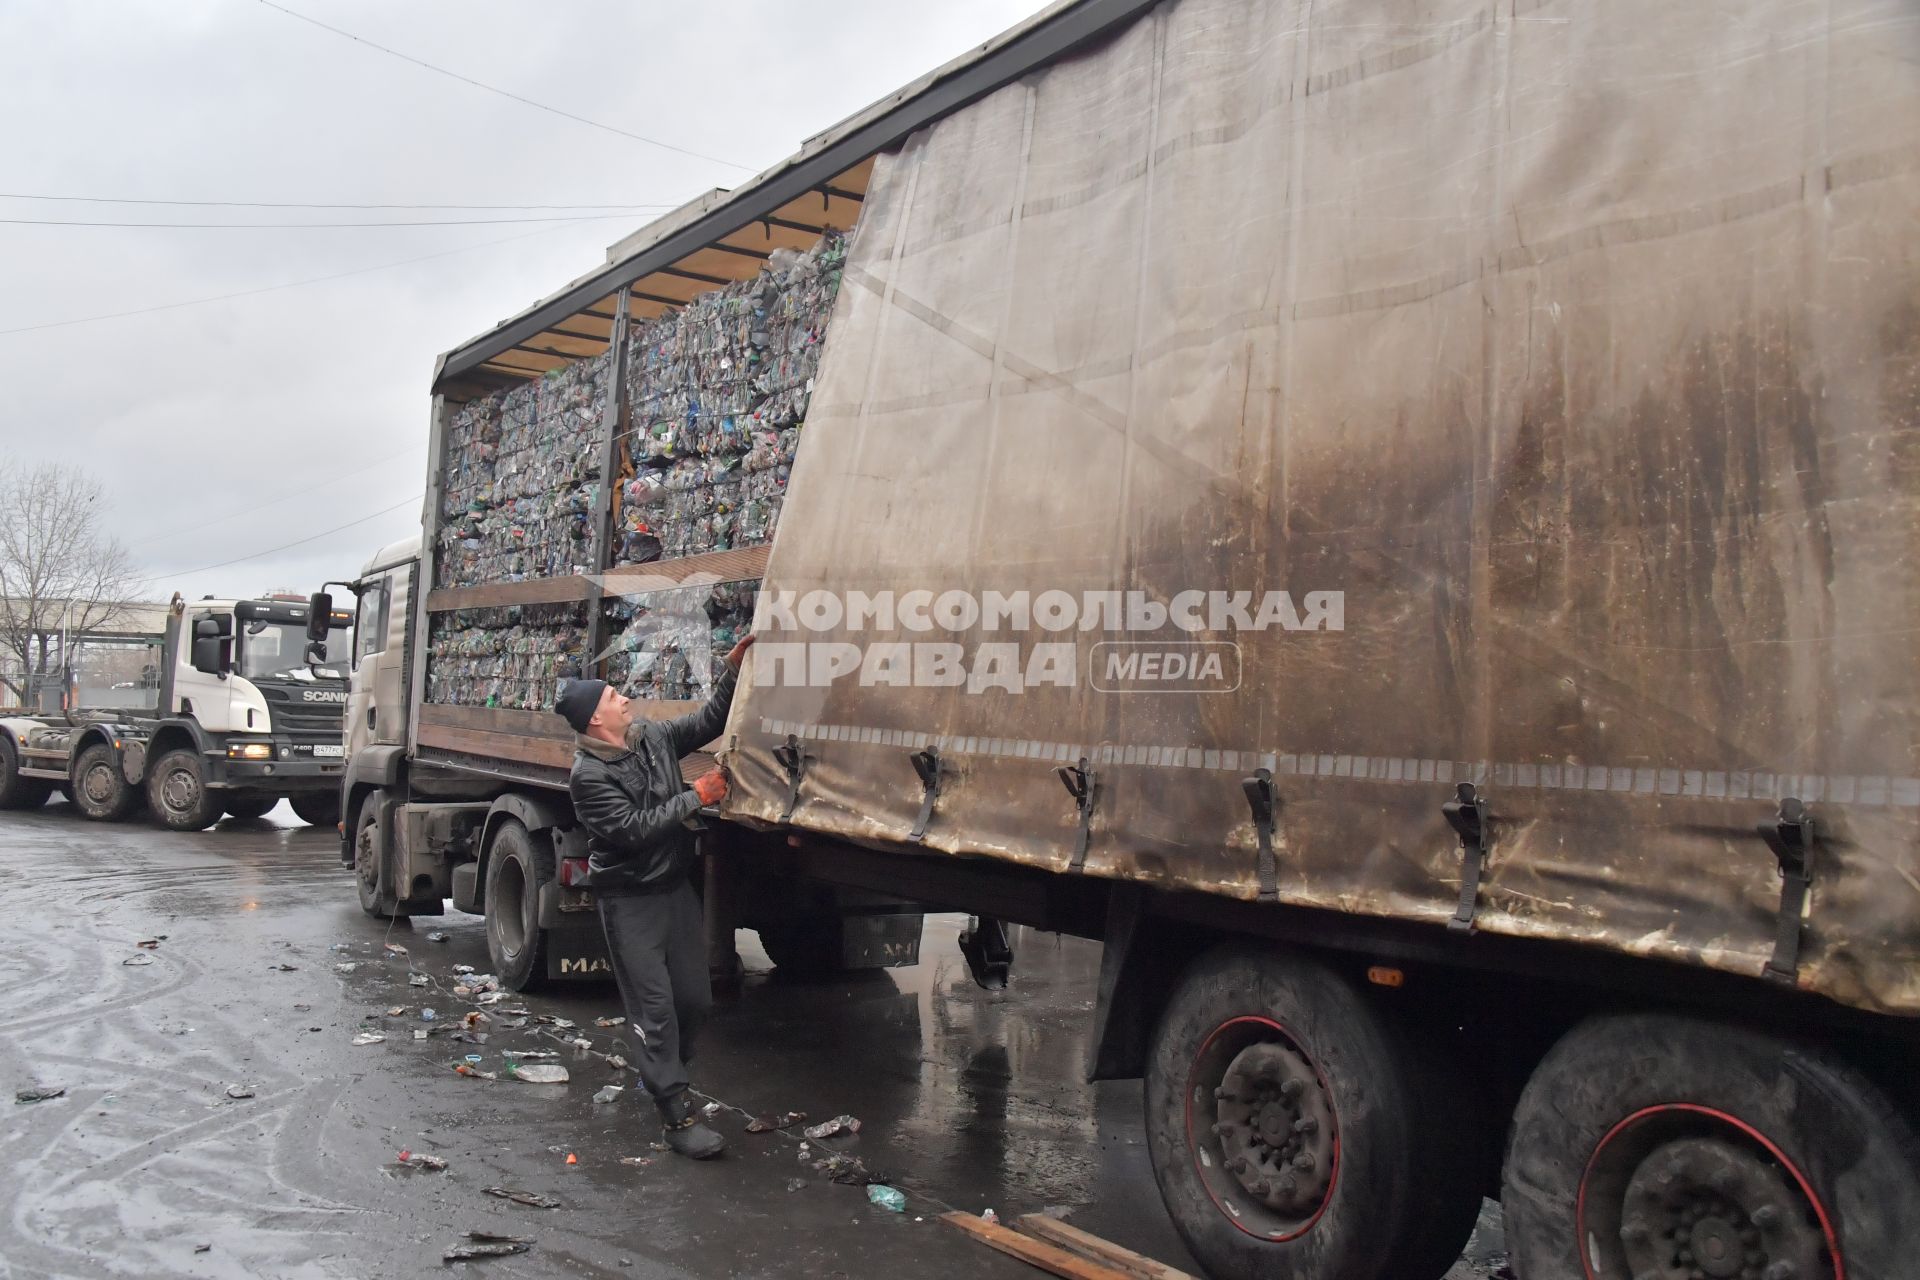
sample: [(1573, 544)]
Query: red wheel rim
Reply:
[(1747, 1131), (1260, 1029)]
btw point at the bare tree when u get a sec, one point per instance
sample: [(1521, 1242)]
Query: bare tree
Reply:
[(61, 573)]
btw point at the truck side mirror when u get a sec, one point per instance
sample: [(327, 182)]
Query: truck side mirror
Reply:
[(319, 616), (212, 650)]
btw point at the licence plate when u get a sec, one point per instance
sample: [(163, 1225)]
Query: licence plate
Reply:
[(332, 752)]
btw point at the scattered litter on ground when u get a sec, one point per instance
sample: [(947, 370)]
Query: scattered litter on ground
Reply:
[(421, 1033), (38, 1094), (148, 944), (572, 1158), (476, 1020), (887, 1198), (396, 1010), (796, 1184), (532, 1199), (368, 1037), (239, 1092), (340, 946), (284, 968), (608, 1093), (475, 1059), (530, 1055), (203, 1248), (847, 1170), (427, 1015), (640, 1162), (538, 1073), (711, 1110), (421, 1160), (138, 960), (468, 1069), (484, 1249), (470, 1037), (617, 1062), (437, 936), (346, 966), (418, 980), (581, 1043), (491, 998), (988, 1215), (608, 1022), (316, 1028), (302, 1008), (395, 949), (769, 1123), (834, 1128), (463, 968), (658, 1146), (558, 1024), (806, 1152)]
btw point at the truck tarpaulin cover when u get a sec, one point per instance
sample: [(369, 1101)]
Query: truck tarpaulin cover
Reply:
[(1577, 347)]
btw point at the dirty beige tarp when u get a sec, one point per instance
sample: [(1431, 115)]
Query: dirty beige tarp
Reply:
[(1577, 345)]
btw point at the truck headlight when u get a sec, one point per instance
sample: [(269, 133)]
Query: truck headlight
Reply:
[(251, 751)]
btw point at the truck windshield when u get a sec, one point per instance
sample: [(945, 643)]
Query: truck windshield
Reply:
[(269, 650)]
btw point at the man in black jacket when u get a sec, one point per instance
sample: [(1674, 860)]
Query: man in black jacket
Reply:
[(627, 791)]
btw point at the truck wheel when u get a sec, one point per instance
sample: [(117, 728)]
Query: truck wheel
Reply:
[(17, 792), (809, 946), (247, 805), (317, 808), (1656, 1145), (372, 876), (515, 941), (177, 792), (100, 790), (1294, 1136)]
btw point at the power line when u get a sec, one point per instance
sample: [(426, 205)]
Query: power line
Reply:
[(288, 226), (279, 497), (310, 204), (287, 546), (274, 288), (652, 142)]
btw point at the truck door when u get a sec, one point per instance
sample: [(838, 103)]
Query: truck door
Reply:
[(369, 644), (205, 695)]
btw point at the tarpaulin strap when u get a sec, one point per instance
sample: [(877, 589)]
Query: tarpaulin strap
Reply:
[(794, 761), (1791, 837), (1260, 798), (1083, 784), (928, 765), (1466, 813)]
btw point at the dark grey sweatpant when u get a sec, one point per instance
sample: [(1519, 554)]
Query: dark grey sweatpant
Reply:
[(657, 943)]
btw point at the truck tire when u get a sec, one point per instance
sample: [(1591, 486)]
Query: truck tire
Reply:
[(516, 943), (248, 805), (100, 791), (1768, 1157), (807, 946), (177, 792), (1294, 1134), (17, 792), (372, 872), (317, 809)]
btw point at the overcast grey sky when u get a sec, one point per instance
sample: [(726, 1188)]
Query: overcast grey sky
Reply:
[(226, 429)]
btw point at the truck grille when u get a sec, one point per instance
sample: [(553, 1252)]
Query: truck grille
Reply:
[(308, 716)]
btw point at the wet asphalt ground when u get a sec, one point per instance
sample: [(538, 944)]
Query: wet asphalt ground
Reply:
[(146, 1167)]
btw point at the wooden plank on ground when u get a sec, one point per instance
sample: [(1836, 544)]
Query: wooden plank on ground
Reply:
[(1047, 1257), (1067, 1236)]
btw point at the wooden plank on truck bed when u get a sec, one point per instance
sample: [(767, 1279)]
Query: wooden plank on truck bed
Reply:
[(1037, 1253), (741, 565), (1068, 1236)]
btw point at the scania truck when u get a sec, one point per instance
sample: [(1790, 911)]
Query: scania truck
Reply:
[(228, 711)]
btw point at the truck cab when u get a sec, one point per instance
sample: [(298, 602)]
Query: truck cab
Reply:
[(229, 713)]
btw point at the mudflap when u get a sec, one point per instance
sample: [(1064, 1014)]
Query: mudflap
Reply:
[(576, 953)]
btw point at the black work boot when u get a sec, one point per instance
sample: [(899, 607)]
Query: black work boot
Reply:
[(684, 1131)]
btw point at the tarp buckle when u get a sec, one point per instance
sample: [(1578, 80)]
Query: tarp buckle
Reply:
[(791, 758), (1261, 799), (926, 763), (1466, 813), (1083, 784), (1791, 836)]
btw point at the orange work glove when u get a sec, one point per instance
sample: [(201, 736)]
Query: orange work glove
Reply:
[(711, 787)]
